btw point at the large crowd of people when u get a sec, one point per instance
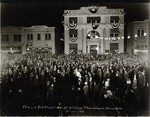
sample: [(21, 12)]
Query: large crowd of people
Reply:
[(41, 78)]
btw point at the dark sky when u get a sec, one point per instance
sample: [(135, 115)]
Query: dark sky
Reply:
[(50, 13)]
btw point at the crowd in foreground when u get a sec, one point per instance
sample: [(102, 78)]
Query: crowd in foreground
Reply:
[(73, 79)]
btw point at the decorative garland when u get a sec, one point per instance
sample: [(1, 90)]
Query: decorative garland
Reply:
[(72, 26), (115, 25), (114, 38), (40, 48), (73, 39)]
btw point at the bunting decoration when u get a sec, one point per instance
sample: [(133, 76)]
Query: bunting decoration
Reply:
[(114, 38), (73, 39), (40, 48), (115, 25), (72, 26)]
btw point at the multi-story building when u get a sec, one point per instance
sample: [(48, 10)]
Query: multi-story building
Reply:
[(26, 39), (94, 29), (12, 39), (137, 37)]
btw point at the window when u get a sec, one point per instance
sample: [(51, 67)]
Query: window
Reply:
[(72, 20), (140, 32), (5, 47), (38, 36), (93, 19), (113, 35), (111, 21), (138, 46), (106, 51), (5, 38), (116, 35), (47, 36), (145, 46), (142, 46), (114, 32), (73, 33), (93, 34), (29, 37), (17, 37), (73, 48), (114, 19), (114, 47)]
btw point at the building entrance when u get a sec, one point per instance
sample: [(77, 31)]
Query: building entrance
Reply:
[(93, 49), (73, 48), (114, 48)]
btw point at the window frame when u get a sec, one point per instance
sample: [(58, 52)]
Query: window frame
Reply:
[(47, 36), (17, 38), (38, 36)]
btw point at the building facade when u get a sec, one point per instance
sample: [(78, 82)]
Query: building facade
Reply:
[(94, 30), (137, 37), (27, 39)]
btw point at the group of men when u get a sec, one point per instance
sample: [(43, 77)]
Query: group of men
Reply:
[(41, 78)]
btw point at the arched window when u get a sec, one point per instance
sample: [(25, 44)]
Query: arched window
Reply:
[(93, 34)]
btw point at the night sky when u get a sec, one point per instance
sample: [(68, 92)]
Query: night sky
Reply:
[(18, 13)]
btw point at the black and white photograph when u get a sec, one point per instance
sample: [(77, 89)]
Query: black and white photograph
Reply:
[(74, 58)]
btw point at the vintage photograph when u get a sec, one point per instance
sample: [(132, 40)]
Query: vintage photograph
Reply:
[(74, 58)]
